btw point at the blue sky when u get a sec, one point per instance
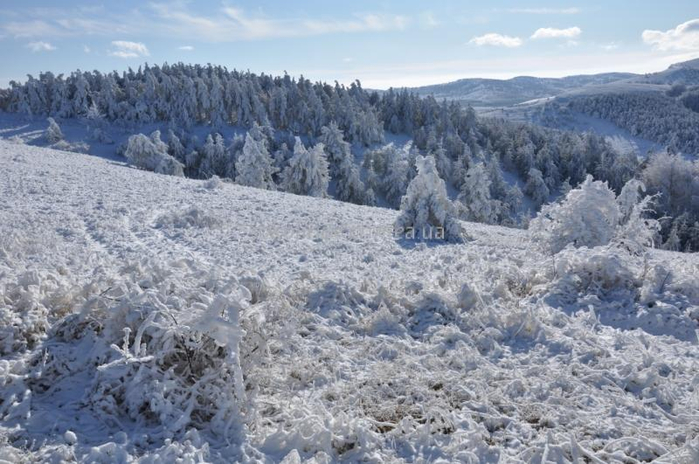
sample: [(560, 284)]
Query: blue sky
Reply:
[(382, 43)]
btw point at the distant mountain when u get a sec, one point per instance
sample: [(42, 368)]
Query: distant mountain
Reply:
[(494, 92), (649, 111), (490, 93)]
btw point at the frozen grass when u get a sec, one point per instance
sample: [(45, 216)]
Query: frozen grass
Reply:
[(152, 318)]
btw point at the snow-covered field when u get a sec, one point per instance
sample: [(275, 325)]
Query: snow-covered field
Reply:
[(154, 318)]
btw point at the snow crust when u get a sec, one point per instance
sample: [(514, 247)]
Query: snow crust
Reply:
[(152, 318)]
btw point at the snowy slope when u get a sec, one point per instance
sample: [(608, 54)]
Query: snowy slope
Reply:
[(263, 326), (495, 92)]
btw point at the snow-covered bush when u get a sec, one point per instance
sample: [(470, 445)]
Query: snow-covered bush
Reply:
[(636, 229), (587, 216), (591, 216), (161, 344), (426, 211), (593, 270), (190, 217), (75, 147), (150, 153), (307, 172), (53, 133)]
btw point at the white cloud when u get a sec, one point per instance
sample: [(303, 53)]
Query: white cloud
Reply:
[(125, 49), (683, 37), (43, 22), (86, 49), (545, 11), (496, 40), (186, 48), (40, 47), (553, 33), (234, 24), (177, 20)]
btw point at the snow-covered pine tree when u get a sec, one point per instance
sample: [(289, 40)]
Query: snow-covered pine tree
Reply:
[(53, 133), (476, 202), (150, 153), (214, 161), (307, 172), (536, 187), (254, 165), (395, 181), (426, 211), (175, 147), (335, 146), (349, 186)]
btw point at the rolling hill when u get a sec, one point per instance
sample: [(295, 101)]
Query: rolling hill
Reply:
[(160, 318)]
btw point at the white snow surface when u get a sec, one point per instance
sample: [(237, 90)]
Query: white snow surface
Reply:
[(150, 318)]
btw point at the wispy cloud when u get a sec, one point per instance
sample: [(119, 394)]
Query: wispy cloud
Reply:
[(176, 19), (40, 46), (186, 48), (67, 22), (683, 37), (496, 40), (235, 24), (125, 49), (544, 11), (553, 33), (86, 49)]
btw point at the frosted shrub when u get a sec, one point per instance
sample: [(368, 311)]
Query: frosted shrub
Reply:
[(426, 211), (636, 230), (150, 153), (595, 270), (74, 147), (161, 343), (190, 217), (588, 216), (591, 216), (53, 133), (26, 308)]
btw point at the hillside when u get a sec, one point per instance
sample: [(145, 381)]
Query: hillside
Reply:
[(158, 318), (640, 112), (495, 92)]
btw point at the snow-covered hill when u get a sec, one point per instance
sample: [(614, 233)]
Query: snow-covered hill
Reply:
[(495, 92), (148, 317)]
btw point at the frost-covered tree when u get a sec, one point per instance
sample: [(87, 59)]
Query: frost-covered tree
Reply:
[(536, 187), (254, 166), (395, 181), (175, 147), (214, 159), (349, 186), (426, 211), (336, 147), (150, 153), (343, 170), (588, 216), (629, 197), (475, 199), (307, 172), (53, 133)]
